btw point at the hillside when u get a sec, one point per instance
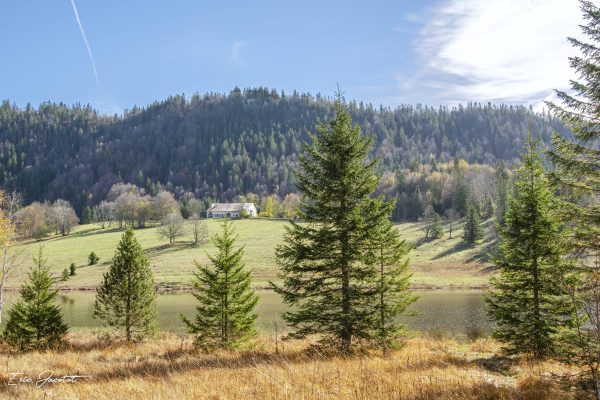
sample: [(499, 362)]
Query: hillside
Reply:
[(219, 146), (442, 262)]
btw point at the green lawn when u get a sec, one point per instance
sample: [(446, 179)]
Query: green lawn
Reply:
[(442, 262)]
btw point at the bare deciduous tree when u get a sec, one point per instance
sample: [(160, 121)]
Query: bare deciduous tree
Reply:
[(62, 217), (171, 227), (200, 231), (451, 217), (9, 205)]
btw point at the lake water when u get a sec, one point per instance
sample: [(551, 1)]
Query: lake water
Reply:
[(458, 314)]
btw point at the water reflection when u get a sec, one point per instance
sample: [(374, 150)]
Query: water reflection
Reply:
[(441, 313)]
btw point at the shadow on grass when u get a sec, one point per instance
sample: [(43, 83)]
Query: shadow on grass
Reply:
[(460, 246), (166, 249)]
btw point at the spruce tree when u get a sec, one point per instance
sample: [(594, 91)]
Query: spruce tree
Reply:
[(225, 317), (126, 299), (328, 278), (35, 322), (390, 255), (472, 229), (578, 159), (529, 301)]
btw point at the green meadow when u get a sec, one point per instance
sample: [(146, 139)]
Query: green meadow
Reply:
[(442, 262)]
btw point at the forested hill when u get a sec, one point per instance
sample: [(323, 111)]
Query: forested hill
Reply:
[(222, 145)]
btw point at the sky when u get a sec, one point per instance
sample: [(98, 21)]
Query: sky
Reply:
[(117, 54)]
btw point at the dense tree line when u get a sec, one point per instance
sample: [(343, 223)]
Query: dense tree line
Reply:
[(220, 146)]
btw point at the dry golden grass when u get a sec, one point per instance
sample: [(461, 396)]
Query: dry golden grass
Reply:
[(169, 368)]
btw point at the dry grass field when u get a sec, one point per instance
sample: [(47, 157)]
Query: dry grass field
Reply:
[(169, 368)]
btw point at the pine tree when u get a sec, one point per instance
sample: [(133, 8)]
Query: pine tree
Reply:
[(225, 316), (328, 278), (472, 229), (35, 322), (530, 303), (126, 299), (390, 255)]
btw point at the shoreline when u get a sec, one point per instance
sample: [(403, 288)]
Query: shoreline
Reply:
[(174, 288)]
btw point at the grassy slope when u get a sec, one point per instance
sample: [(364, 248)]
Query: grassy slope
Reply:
[(440, 262)]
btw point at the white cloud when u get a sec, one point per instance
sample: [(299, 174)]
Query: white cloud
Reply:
[(236, 52), (500, 50)]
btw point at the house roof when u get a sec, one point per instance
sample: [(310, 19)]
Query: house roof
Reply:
[(228, 207)]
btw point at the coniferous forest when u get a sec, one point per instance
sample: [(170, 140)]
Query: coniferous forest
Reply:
[(219, 146)]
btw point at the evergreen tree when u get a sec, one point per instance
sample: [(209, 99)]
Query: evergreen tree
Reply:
[(390, 255), (65, 275), (225, 316), (530, 303), (35, 322), (126, 299), (93, 258), (329, 280), (460, 200), (72, 269), (472, 229), (578, 160)]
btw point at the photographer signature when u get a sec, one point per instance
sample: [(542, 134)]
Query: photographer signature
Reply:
[(46, 377)]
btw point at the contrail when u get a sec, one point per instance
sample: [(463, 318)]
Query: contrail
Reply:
[(87, 45)]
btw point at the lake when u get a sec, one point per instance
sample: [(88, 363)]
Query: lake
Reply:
[(456, 314)]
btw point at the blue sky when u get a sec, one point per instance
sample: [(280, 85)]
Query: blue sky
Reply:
[(384, 52)]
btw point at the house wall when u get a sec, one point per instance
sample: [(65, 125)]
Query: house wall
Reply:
[(223, 215)]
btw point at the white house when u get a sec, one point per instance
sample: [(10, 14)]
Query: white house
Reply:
[(230, 210)]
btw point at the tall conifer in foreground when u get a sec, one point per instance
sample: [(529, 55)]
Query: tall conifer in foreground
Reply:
[(225, 316), (126, 299), (529, 301), (577, 159), (329, 276), (35, 322)]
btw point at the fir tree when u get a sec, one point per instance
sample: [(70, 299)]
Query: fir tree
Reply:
[(65, 275), (390, 255), (460, 199), (93, 259), (225, 316), (72, 269), (126, 299), (530, 303), (35, 322), (578, 160), (329, 280), (472, 229)]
